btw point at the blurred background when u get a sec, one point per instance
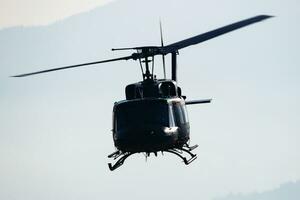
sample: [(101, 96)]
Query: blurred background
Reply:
[(55, 128)]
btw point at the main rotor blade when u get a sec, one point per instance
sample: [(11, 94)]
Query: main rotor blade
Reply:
[(73, 66), (212, 34)]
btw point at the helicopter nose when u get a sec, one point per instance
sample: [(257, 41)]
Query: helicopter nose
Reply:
[(146, 138), (161, 132)]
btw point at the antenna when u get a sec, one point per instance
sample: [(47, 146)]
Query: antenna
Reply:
[(162, 45)]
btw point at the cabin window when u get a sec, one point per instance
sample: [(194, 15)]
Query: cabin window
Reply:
[(143, 113)]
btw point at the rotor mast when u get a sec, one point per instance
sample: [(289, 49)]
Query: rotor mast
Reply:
[(143, 54), (148, 75), (174, 65)]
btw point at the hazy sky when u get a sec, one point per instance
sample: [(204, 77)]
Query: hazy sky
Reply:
[(55, 128), (41, 12)]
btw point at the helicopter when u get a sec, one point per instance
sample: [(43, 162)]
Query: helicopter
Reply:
[(153, 118)]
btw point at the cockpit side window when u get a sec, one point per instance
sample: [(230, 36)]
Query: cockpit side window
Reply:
[(185, 113), (180, 113), (171, 116)]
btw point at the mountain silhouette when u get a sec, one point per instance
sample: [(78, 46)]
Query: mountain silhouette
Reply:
[(288, 191)]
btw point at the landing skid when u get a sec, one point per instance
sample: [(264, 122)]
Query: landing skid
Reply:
[(120, 161), (180, 151), (177, 151)]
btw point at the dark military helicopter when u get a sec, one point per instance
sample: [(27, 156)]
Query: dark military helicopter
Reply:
[(153, 118)]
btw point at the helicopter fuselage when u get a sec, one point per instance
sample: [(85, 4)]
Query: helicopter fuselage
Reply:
[(152, 118)]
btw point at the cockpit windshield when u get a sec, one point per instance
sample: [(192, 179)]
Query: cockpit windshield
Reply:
[(143, 113)]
